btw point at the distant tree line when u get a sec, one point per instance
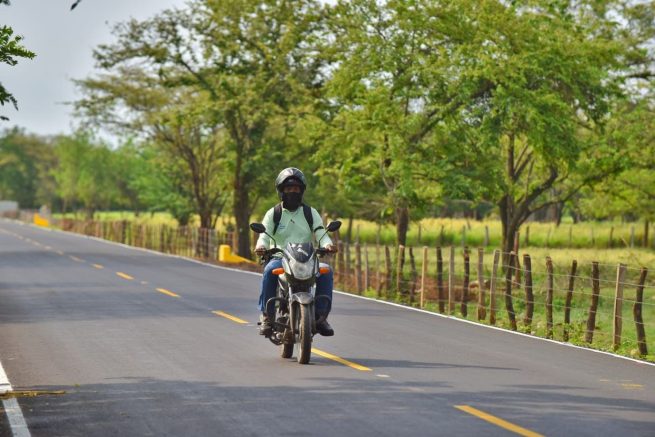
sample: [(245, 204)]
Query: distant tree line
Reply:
[(391, 108)]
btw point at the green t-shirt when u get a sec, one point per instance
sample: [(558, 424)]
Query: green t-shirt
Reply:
[(293, 228)]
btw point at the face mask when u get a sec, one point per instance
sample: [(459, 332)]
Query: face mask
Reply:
[(291, 201)]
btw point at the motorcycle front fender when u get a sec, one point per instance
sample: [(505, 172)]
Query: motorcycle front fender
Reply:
[(302, 298)]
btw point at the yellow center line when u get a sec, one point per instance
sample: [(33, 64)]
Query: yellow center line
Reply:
[(497, 421), (74, 258), (124, 275), (230, 317), (167, 292), (98, 266), (632, 386), (329, 356)]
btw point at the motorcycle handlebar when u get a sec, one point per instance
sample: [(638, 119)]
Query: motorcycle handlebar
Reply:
[(268, 254)]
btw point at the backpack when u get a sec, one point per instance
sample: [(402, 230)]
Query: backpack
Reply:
[(307, 211)]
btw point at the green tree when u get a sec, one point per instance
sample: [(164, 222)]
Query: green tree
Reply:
[(254, 64), (10, 50), (552, 70), (85, 173), (160, 184), (25, 161), (175, 121), (397, 95)]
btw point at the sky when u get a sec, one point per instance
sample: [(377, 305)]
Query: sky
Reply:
[(63, 41)]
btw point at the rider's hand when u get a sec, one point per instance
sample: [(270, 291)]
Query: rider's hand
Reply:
[(331, 248), (260, 251)]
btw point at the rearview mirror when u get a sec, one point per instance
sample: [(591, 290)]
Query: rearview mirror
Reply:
[(333, 226), (258, 228)]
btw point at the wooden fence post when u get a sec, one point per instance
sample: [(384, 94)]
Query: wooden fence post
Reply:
[(348, 271), (378, 275), (636, 311), (367, 283), (509, 305), (451, 280), (632, 236), (463, 236), (414, 275), (529, 296), (492, 288), (569, 298), (486, 236), (440, 289), (424, 273), (549, 298), (358, 268), (618, 305), (482, 310), (387, 270), (400, 260), (595, 286), (441, 237), (465, 285), (341, 263), (517, 263)]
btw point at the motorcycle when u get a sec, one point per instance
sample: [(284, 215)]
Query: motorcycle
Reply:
[(294, 320)]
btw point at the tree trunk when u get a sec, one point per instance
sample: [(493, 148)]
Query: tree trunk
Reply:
[(242, 218), (646, 226), (402, 224), (349, 232), (509, 227)]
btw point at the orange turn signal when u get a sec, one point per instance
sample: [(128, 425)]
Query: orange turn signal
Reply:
[(278, 271), (324, 270)]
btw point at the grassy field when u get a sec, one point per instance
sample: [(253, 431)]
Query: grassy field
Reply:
[(452, 231), (562, 258), (472, 233)]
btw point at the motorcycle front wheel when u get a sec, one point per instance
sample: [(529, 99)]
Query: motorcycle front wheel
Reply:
[(286, 350), (305, 335)]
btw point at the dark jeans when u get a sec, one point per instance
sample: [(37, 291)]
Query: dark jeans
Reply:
[(324, 284)]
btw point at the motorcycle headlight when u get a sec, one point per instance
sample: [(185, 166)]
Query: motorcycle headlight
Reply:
[(301, 271)]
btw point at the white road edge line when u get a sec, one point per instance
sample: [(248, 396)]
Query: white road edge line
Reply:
[(12, 409), (443, 316)]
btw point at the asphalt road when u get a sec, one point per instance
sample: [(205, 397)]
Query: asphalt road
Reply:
[(84, 317)]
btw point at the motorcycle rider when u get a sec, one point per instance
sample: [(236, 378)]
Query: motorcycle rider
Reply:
[(292, 227)]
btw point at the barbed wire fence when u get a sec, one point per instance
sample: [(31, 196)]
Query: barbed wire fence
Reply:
[(596, 304)]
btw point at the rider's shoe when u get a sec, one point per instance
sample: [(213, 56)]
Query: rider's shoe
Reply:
[(265, 326), (325, 329)]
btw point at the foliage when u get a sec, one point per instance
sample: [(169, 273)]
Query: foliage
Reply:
[(86, 172), (24, 164), (395, 110), (10, 50)]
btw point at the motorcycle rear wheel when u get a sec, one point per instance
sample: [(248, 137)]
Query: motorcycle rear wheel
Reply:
[(305, 337)]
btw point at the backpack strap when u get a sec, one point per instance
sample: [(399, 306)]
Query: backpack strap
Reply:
[(307, 211), (277, 216)]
